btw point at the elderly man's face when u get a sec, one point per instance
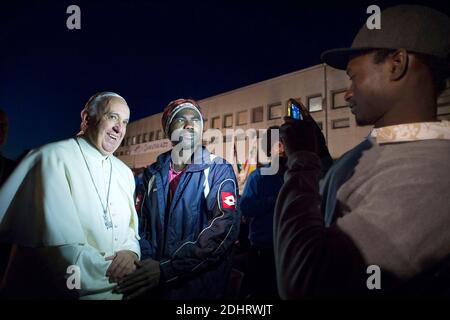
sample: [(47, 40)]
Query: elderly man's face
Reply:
[(107, 134), (186, 126)]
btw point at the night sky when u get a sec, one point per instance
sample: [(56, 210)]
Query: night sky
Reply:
[(152, 52)]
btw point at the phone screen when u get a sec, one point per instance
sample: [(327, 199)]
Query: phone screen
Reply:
[(294, 111)]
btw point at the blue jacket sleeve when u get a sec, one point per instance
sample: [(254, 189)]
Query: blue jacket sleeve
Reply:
[(251, 203), (147, 250)]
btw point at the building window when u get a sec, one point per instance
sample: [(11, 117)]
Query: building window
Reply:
[(151, 136), (257, 114), (320, 124), (228, 121), (133, 140), (159, 135), (338, 99), (145, 137), (341, 123), (275, 111), (138, 139), (242, 118), (443, 112), (315, 103), (215, 123)]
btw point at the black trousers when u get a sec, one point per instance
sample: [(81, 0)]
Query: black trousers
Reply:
[(260, 277)]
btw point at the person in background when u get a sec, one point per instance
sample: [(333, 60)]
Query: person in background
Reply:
[(258, 206), (6, 165), (6, 168)]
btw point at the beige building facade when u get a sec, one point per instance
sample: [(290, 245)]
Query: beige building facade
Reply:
[(258, 106)]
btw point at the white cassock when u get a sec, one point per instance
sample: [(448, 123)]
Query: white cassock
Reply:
[(52, 212)]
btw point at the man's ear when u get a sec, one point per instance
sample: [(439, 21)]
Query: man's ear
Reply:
[(84, 116), (85, 121), (281, 148), (398, 64)]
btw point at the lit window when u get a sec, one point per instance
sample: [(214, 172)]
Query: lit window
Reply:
[(315, 103), (338, 99)]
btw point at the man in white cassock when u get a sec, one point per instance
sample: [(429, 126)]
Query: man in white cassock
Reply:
[(68, 210)]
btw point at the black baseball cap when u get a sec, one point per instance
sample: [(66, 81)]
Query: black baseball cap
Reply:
[(417, 29)]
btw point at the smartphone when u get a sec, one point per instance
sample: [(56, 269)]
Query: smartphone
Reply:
[(295, 110)]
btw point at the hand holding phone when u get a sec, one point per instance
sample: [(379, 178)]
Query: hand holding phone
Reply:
[(296, 110), (300, 131)]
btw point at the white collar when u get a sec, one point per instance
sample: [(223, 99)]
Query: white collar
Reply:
[(412, 132), (89, 149)]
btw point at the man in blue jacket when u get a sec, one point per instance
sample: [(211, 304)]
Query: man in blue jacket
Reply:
[(258, 205), (188, 218)]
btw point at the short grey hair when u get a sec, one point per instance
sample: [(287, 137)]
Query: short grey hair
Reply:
[(94, 107)]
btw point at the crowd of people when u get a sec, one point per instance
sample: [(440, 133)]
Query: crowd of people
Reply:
[(76, 224)]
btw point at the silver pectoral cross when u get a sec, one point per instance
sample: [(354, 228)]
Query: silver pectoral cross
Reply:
[(107, 220)]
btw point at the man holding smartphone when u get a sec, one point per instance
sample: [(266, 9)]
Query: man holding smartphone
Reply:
[(383, 205)]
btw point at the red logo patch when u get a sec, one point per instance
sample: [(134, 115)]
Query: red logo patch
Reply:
[(228, 200)]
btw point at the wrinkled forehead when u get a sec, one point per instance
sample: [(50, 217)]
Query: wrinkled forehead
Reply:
[(114, 105)]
